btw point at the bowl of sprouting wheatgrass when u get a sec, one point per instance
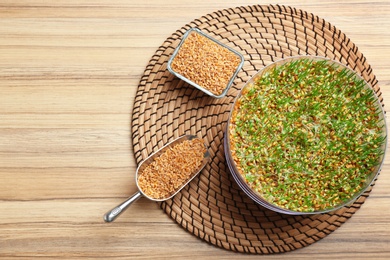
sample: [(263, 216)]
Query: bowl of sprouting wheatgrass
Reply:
[(305, 135)]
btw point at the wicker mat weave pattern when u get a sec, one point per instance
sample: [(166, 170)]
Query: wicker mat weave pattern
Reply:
[(212, 207)]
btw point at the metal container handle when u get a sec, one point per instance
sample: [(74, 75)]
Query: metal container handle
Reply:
[(115, 212)]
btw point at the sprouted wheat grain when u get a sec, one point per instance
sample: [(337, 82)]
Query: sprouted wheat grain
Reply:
[(306, 135)]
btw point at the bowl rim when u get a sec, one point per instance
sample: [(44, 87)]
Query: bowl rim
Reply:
[(256, 196)]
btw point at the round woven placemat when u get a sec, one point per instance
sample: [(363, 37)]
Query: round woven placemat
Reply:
[(212, 207)]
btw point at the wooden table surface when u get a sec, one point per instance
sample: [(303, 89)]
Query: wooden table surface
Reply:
[(68, 77)]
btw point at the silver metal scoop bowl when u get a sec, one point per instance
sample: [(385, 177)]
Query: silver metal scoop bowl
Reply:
[(115, 212)]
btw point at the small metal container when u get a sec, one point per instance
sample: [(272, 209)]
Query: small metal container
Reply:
[(203, 88)]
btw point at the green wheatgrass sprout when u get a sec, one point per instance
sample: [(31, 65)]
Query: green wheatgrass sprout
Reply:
[(306, 135)]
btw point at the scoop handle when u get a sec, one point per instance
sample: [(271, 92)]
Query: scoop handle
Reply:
[(115, 212)]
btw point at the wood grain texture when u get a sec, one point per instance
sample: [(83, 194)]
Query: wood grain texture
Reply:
[(68, 77)]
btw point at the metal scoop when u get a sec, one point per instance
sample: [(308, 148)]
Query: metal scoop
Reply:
[(115, 212)]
